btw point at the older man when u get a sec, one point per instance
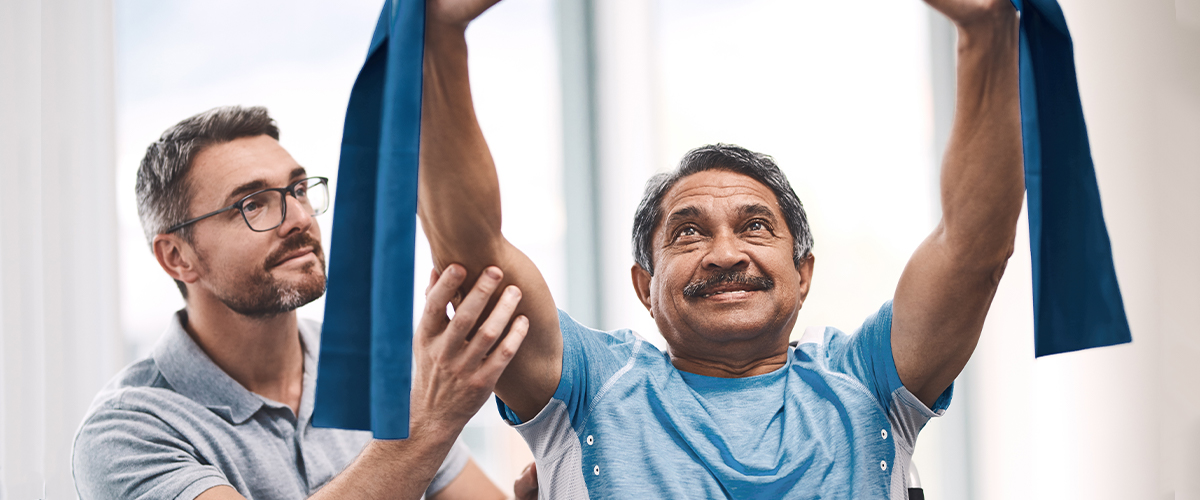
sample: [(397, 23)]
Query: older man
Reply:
[(723, 264), (222, 407)]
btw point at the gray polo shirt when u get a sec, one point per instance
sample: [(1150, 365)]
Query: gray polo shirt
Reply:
[(174, 425)]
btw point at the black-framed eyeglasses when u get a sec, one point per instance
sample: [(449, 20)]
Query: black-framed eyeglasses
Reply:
[(267, 209)]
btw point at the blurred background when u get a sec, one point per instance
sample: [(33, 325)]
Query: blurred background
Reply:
[(582, 101)]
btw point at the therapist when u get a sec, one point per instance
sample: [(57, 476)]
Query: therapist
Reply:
[(222, 407)]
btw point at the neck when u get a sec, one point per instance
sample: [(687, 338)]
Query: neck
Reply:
[(263, 354), (747, 365)]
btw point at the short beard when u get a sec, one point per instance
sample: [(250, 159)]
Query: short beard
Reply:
[(260, 295), (698, 288)]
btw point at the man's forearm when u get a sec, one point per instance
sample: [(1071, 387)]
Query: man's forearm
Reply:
[(392, 469), (459, 197), (982, 178)]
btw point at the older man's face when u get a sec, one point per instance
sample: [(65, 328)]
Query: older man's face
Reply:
[(724, 269), (253, 273)]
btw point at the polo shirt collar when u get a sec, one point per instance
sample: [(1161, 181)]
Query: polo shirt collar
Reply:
[(194, 375)]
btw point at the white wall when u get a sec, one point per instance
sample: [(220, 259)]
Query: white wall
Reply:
[(627, 150), (58, 300), (1119, 422)]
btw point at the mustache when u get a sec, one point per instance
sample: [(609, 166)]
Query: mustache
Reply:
[(698, 287), (293, 243)]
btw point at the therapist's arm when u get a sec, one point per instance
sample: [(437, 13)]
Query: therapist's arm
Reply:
[(453, 377)]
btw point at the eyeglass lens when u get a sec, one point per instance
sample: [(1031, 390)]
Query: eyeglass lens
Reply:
[(264, 211)]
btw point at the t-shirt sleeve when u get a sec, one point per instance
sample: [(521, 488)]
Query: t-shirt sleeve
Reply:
[(134, 455), (590, 358), (451, 467), (866, 355)]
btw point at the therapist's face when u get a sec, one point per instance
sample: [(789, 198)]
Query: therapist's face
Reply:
[(253, 273)]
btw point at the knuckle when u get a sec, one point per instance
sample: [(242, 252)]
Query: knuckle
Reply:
[(477, 384), (489, 333), (462, 321), (431, 310), (506, 351), (521, 326)]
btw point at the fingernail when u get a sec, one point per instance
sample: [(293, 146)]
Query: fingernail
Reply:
[(513, 291), (494, 272), (455, 271)]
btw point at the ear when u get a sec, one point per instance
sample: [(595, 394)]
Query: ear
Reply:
[(176, 258), (806, 271), (641, 285)]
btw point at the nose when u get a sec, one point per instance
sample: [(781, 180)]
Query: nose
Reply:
[(725, 252), (296, 219)]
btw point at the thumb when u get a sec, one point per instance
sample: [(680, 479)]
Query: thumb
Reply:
[(526, 487)]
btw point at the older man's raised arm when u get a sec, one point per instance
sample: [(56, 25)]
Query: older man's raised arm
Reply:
[(459, 204), (948, 285)]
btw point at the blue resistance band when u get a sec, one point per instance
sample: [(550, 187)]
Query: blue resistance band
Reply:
[(366, 342), (1076, 301)]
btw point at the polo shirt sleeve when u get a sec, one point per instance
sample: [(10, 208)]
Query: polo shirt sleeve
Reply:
[(590, 358), (129, 454), (866, 355)]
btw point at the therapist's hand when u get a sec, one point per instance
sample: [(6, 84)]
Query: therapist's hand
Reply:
[(526, 486), (457, 363)]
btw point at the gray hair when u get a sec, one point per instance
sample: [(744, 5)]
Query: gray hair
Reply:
[(731, 158), (163, 187)]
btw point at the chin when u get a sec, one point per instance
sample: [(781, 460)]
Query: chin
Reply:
[(730, 322), (727, 327), (301, 291)]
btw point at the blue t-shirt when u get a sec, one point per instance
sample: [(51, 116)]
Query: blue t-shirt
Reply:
[(834, 422)]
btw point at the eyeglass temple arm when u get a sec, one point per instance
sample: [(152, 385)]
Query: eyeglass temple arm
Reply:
[(193, 220)]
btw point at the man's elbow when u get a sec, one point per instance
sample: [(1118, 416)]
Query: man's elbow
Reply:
[(983, 254)]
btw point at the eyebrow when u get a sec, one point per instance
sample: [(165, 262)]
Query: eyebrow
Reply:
[(757, 210), (246, 188), (258, 185), (683, 214)]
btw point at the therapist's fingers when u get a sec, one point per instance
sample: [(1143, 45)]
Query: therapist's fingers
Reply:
[(433, 317), (433, 277), (467, 312), (493, 327), (526, 486), (495, 363)]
